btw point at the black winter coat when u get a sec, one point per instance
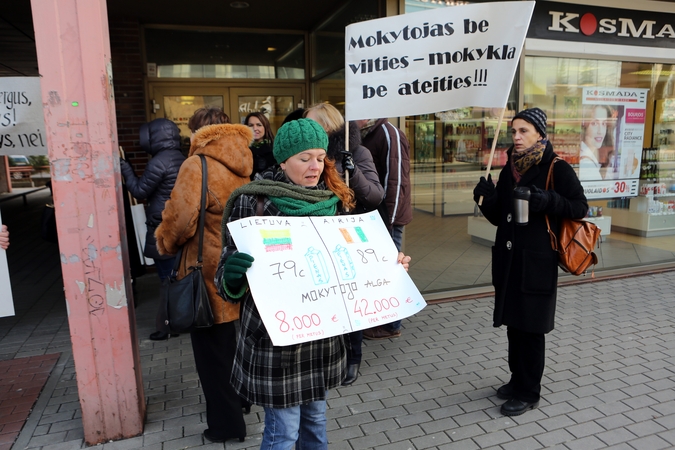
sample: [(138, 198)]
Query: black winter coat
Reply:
[(524, 266), (365, 182), (263, 158), (161, 139)]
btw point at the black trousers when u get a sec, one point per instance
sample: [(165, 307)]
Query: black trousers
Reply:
[(214, 349), (526, 362), (354, 352)]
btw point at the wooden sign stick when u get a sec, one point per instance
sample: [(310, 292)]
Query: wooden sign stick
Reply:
[(492, 151)]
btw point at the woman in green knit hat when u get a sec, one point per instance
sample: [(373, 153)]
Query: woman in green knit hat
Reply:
[(292, 394)]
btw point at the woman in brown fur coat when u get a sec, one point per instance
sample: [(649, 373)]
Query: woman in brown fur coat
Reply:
[(229, 164)]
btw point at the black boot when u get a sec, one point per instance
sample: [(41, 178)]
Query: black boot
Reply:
[(352, 374), (161, 336), (245, 405)]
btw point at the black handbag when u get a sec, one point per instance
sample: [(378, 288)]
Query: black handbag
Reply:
[(185, 303)]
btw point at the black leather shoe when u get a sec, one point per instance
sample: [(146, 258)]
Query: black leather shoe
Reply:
[(516, 407), (245, 406), (352, 374), (505, 392), (210, 437), (161, 336)]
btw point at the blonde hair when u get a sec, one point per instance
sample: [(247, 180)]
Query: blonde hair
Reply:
[(327, 116)]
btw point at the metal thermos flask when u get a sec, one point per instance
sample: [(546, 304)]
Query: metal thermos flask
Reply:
[(521, 200)]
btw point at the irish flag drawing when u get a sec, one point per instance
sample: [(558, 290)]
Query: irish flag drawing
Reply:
[(276, 240)]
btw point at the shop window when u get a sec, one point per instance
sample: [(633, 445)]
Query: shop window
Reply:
[(450, 150), (220, 54), (614, 122)]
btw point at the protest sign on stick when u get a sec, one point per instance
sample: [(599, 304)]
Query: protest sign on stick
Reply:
[(316, 277), (434, 60), (22, 125), (492, 150)]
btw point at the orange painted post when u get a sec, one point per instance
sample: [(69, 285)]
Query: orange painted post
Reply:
[(74, 60)]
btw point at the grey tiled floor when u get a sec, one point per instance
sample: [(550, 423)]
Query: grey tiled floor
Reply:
[(609, 380)]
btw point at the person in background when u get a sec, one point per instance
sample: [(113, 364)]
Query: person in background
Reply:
[(161, 140), (294, 115), (263, 139), (4, 237), (363, 181), (291, 382), (391, 154), (524, 265), (229, 166)]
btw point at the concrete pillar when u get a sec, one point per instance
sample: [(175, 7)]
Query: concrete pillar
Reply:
[(74, 61)]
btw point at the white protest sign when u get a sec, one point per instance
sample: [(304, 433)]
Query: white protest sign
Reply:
[(317, 277), (22, 125), (6, 300), (434, 60)]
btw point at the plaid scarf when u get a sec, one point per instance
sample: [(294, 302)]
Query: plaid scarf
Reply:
[(522, 161)]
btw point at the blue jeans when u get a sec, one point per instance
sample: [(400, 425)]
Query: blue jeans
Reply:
[(397, 237), (164, 267), (303, 426)]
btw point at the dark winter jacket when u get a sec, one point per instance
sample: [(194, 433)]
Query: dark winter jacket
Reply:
[(524, 266), (365, 183), (161, 139), (391, 154), (263, 158)]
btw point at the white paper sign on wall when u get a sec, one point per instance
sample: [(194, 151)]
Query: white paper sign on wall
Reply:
[(6, 300), (22, 125)]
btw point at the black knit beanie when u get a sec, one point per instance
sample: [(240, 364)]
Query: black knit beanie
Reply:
[(536, 117)]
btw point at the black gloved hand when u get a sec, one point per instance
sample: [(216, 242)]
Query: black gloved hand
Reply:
[(539, 200), (348, 162), (235, 268), (484, 188)]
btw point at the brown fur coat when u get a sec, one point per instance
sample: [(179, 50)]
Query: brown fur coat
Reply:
[(229, 164)]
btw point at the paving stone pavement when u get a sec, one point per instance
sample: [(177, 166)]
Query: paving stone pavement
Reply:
[(609, 381)]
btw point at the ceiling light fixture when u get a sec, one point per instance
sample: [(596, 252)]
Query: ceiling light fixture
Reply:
[(239, 5)]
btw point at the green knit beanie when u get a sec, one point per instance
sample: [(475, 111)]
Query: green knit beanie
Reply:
[(297, 136)]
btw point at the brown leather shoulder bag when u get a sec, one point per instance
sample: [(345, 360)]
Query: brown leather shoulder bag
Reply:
[(575, 241)]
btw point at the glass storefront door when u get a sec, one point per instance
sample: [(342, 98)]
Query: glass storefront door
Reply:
[(178, 101), (275, 102)]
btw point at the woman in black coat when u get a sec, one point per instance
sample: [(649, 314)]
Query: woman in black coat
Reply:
[(161, 139), (263, 141), (524, 265)]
